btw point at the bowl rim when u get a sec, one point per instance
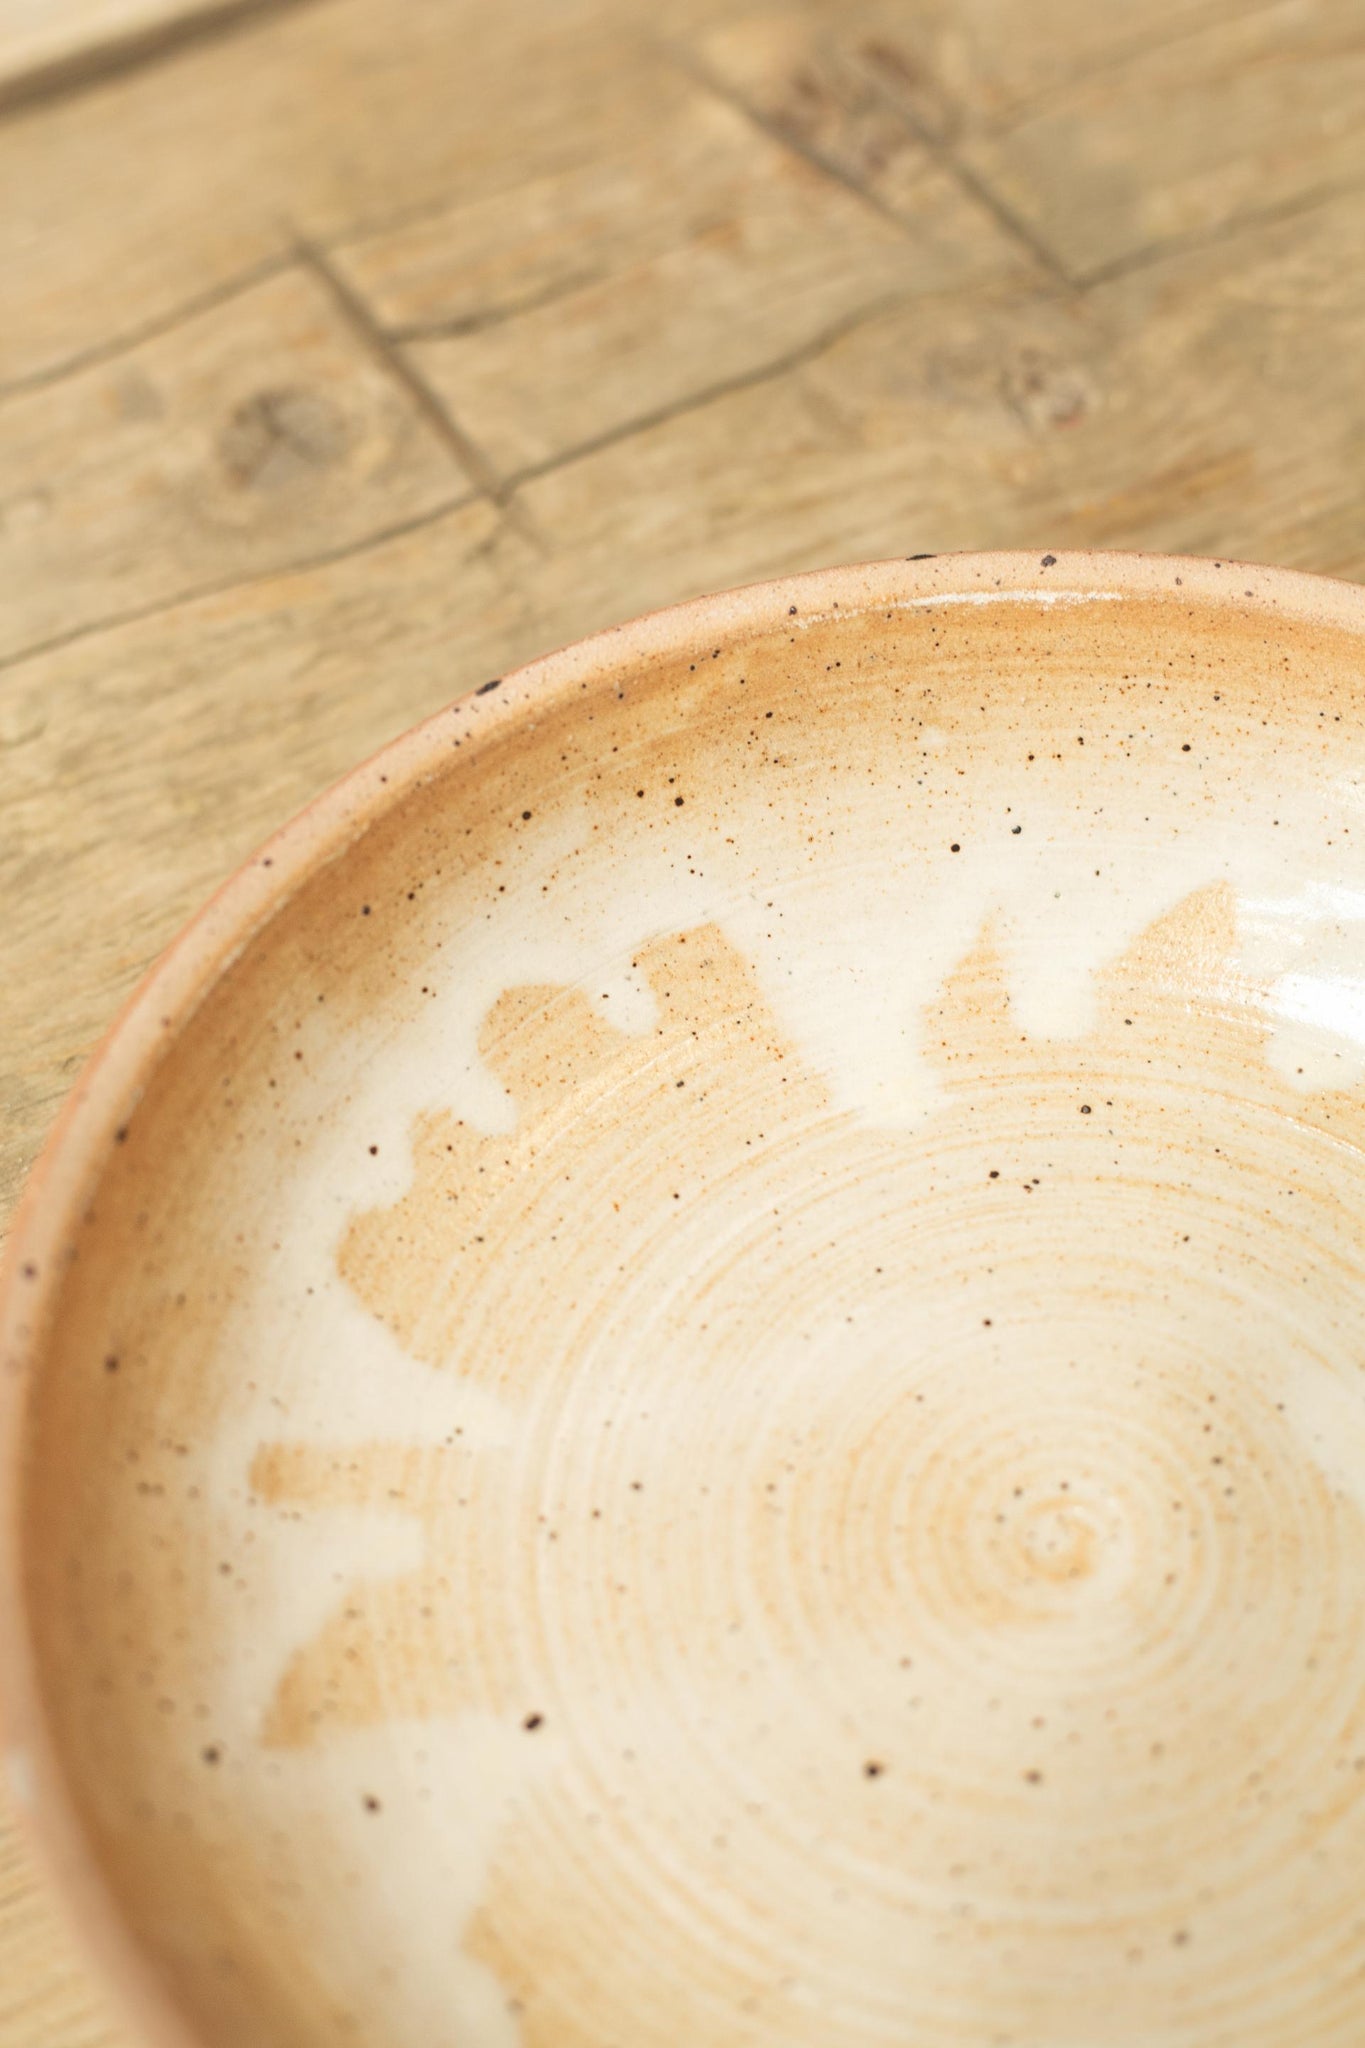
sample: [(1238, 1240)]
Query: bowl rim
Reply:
[(148, 1022)]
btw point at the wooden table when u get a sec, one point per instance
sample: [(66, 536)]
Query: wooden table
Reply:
[(353, 351)]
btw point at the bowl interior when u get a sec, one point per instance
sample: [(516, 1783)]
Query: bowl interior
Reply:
[(712, 1391)]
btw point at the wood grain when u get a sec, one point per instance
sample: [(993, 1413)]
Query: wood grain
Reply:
[(258, 433), (1160, 413), (752, 257), (832, 72), (49, 45), (1260, 112), (136, 198), (703, 298)]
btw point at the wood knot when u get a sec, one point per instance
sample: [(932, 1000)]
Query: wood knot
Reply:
[(276, 439)]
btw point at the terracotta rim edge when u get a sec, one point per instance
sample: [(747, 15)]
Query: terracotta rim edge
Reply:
[(112, 1080)]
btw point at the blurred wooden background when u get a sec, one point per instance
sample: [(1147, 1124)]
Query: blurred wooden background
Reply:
[(353, 351)]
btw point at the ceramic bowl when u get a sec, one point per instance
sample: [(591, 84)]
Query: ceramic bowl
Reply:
[(692, 1373)]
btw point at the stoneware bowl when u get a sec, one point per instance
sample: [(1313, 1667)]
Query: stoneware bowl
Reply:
[(691, 1376)]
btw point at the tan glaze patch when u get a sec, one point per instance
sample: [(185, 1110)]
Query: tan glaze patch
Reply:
[(893, 1540), (1198, 1233)]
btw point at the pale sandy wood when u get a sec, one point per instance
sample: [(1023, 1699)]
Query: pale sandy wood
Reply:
[(126, 202), (1101, 133), (1165, 414), (1207, 400), (1261, 112), (804, 73), (859, 84), (38, 32), (46, 45), (754, 256), (259, 433), (548, 238), (707, 177)]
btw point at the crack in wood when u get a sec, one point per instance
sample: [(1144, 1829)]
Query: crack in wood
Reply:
[(233, 287), (325, 558), (744, 380), (469, 458)]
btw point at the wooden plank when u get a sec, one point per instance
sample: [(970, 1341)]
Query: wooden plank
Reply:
[(37, 36), (48, 46), (1245, 359), (261, 433), (911, 434), (803, 72), (694, 177), (849, 78), (702, 256), (1209, 405), (139, 197), (1262, 112)]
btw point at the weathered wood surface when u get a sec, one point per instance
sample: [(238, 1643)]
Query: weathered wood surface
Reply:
[(350, 354), (50, 46)]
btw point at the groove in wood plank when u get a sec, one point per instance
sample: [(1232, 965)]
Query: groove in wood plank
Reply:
[(1261, 221), (138, 615), (857, 103), (704, 256), (154, 188), (106, 351), (546, 238), (258, 433), (1212, 408), (835, 74), (468, 458), (965, 67), (1187, 139), (804, 88), (693, 401)]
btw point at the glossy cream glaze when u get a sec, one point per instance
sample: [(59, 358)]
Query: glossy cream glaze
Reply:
[(713, 1394)]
